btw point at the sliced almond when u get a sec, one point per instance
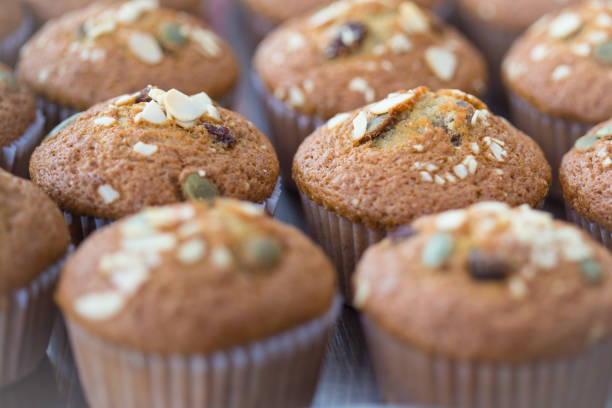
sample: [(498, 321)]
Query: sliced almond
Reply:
[(413, 18), (152, 113), (104, 121), (360, 125), (157, 95), (390, 102), (564, 25), (130, 12), (145, 48), (207, 41), (442, 62), (145, 149), (108, 193), (99, 305), (183, 107)]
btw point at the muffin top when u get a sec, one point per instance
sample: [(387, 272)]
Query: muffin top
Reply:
[(475, 283), (352, 53), (32, 232), (17, 107), (562, 64), (415, 153), (153, 148), (91, 55), (586, 175), (515, 15), (11, 17), (45, 9), (279, 11), (195, 277)]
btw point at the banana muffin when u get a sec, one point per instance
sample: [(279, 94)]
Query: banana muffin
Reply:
[(34, 238), (21, 124), (586, 181), (558, 76), (197, 294), (152, 148), (352, 53), (511, 307), (416, 152), (91, 55), (17, 24)]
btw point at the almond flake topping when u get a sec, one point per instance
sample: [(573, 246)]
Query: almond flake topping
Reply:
[(442, 62), (561, 72), (337, 120), (104, 121), (185, 108), (565, 25), (413, 19), (207, 41), (390, 102), (99, 305), (145, 149), (152, 113), (145, 47), (108, 193), (360, 124)]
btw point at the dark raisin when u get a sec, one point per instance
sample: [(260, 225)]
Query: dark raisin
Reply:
[(455, 139), (485, 266), (221, 134), (402, 233), (349, 38), (143, 96)]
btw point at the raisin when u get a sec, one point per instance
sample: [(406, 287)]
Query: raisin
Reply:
[(402, 233), (484, 266), (221, 134), (455, 138), (143, 96), (349, 38)]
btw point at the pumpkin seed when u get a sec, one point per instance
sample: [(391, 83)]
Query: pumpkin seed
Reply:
[(197, 187), (63, 124), (8, 77), (586, 141), (437, 250), (604, 131), (591, 271), (260, 252), (603, 52), (173, 33), (79, 32)]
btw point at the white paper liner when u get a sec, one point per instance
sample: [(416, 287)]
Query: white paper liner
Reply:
[(279, 371), (598, 232), (26, 318), (10, 45), (343, 240), (15, 157), (556, 136), (408, 375)]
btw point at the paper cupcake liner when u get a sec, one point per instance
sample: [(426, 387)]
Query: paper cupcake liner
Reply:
[(407, 375), (10, 45), (556, 136), (343, 240), (598, 232), (279, 371), (15, 157), (26, 318), (81, 226)]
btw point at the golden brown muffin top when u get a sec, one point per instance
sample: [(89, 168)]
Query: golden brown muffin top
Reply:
[(11, 17), (32, 232), (352, 53), (514, 15), (48, 9), (91, 55), (489, 283), (195, 278), (415, 153), (562, 64), (17, 107), (586, 175), (153, 148), (280, 11)]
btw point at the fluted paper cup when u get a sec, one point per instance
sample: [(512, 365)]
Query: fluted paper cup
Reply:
[(556, 136), (598, 232), (408, 375), (343, 240), (26, 317), (279, 371), (15, 157), (11, 44)]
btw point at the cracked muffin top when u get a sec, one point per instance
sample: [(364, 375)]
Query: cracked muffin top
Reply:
[(153, 148), (418, 152), (352, 53), (17, 107), (91, 55), (219, 273), (586, 175), (562, 64), (475, 283)]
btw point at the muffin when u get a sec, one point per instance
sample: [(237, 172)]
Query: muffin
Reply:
[(493, 25), (352, 53), (416, 152), (91, 55), (489, 307), (34, 239), (152, 148), (262, 16), (586, 183), (21, 124), (47, 10), (198, 304), (558, 77), (17, 24)]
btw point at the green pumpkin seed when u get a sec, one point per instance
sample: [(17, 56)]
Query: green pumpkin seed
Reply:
[(197, 187), (8, 77), (260, 252), (79, 32), (173, 33), (63, 124), (603, 52), (604, 131), (437, 250), (586, 141), (591, 271)]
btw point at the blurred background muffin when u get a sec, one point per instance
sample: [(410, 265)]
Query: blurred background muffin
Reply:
[(417, 152), (353, 53), (17, 24), (509, 306)]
